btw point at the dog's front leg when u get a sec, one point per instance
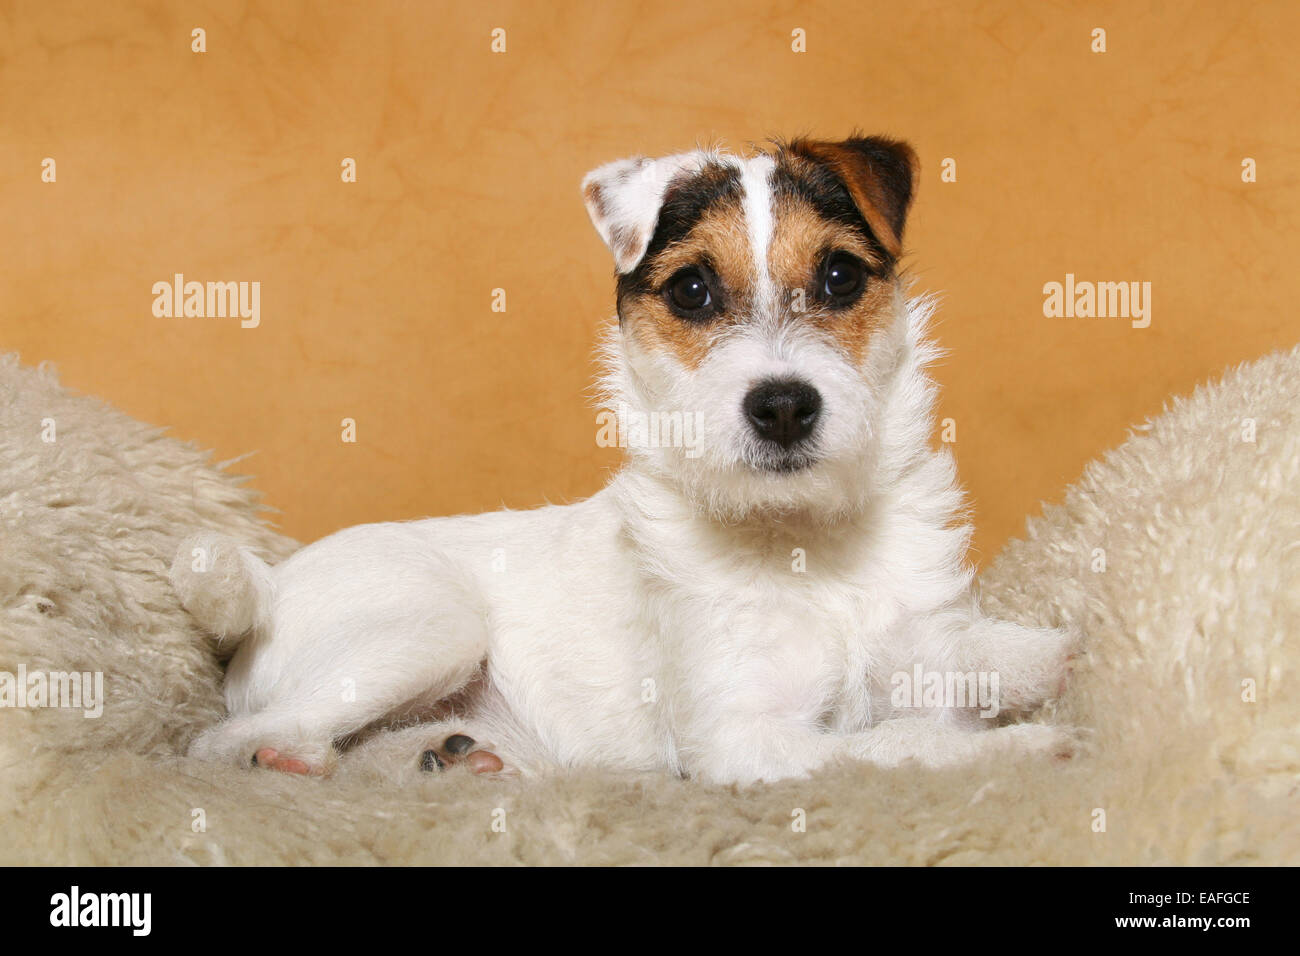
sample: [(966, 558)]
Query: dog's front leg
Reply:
[(1031, 663), (767, 749), (936, 742), (1004, 668), (746, 748)]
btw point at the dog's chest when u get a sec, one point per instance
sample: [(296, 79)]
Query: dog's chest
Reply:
[(760, 627)]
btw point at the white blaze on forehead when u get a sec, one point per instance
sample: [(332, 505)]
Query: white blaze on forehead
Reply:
[(756, 186)]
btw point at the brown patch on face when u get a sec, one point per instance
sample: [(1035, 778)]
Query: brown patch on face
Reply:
[(801, 242), (801, 237), (720, 243)]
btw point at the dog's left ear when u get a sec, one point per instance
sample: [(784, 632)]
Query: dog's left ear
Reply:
[(623, 199), (880, 174)]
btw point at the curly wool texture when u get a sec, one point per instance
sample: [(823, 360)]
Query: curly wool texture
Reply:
[(1200, 591)]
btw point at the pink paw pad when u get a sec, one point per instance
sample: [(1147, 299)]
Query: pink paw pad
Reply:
[(272, 759), (459, 748)]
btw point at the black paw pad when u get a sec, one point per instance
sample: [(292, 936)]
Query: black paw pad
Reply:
[(430, 761), (458, 744)]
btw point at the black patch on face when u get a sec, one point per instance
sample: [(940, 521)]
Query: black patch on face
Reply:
[(685, 204), (822, 190)]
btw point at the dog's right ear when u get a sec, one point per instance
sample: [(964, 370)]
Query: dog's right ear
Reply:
[(880, 174), (624, 198)]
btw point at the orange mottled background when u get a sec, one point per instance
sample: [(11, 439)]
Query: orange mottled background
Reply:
[(376, 296)]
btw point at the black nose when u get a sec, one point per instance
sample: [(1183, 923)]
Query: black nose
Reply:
[(783, 412)]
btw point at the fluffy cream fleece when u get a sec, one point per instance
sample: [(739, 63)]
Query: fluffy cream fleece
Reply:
[(1199, 530)]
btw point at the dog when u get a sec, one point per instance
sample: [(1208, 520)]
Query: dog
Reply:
[(735, 611)]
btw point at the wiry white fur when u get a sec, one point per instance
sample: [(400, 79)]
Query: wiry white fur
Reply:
[(700, 614), (226, 592), (755, 181), (632, 191)]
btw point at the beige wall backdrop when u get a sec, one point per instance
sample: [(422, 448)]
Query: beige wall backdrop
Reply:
[(376, 296)]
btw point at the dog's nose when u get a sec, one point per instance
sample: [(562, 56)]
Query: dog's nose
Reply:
[(784, 412)]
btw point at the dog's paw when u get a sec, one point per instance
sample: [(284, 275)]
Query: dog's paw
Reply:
[(272, 759), (1032, 663), (1042, 740), (461, 749), (244, 742)]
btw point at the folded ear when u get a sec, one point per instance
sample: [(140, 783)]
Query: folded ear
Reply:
[(623, 199), (880, 174)]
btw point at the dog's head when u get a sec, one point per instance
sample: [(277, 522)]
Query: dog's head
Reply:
[(758, 298)]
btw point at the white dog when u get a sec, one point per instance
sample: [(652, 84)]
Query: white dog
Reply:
[(747, 605)]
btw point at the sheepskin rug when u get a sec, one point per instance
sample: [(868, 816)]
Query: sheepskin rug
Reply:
[(1178, 555)]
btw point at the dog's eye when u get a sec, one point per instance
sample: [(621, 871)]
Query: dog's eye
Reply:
[(689, 293), (843, 278)]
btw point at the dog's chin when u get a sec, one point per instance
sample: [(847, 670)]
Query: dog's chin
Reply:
[(778, 486), (785, 463)]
